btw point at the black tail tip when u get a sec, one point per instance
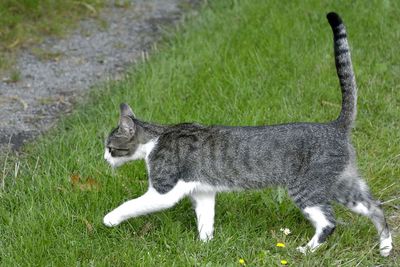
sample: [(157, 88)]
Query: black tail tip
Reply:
[(334, 19)]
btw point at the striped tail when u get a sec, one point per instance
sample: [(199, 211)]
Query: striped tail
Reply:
[(345, 73)]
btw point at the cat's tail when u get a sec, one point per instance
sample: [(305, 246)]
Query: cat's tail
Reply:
[(345, 73)]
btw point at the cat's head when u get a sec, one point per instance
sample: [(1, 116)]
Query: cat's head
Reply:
[(124, 143)]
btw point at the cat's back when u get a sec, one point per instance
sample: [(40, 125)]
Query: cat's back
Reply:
[(190, 139), (284, 134)]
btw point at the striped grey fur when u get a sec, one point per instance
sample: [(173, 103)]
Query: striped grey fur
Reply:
[(314, 161)]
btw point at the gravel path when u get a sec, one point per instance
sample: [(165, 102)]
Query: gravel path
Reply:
[(54, 74)]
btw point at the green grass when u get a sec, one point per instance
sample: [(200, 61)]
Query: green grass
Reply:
[(27, 22), (236, 63)]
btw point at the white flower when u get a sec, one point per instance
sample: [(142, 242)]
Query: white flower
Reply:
[(286, 231)]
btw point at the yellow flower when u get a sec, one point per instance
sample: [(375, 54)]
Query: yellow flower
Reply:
[(242, 262), (284, 262), (281, 245)]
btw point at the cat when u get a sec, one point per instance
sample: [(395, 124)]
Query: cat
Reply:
[(314, 161)]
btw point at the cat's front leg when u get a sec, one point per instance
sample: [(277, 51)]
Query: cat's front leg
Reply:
[(125, 211), (112, 218), (142, 205), (204, 203), (151, 201)]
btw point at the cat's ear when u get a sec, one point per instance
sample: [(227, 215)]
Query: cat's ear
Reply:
[(126, 110), (127, 125)]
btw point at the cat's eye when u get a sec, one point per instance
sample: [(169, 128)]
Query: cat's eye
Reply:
[(111, 150), (118, 152)]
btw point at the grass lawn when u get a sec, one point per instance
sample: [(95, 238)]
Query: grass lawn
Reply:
[(236, 63)]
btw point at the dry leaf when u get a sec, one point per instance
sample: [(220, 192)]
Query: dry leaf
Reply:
[(145, 229), (75, 179), (14, 44), (87, 184), (90, 184), (89, 226)]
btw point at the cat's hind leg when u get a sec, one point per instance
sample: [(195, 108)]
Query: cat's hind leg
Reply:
[(372, 210), (151, 201), (204, 205), (321, 216), (313, 201), (355, 195)]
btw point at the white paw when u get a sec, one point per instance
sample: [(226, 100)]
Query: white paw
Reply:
[(303, 250), (112, 219), (205, 237), (386, 246)]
